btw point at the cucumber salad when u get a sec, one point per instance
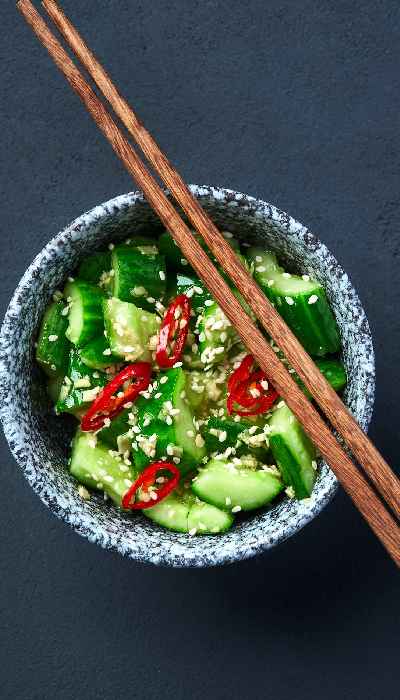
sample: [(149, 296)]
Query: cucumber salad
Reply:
[(174, 418)]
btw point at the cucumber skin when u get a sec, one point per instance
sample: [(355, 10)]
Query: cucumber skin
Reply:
[(90, 300), (333, 371), (288, 467), (293, 452), (92, 267), (149, 409), (56, 353), (135, 269), (93, 355), (314, 324), (187, 282), (118, 426), (233, 430)]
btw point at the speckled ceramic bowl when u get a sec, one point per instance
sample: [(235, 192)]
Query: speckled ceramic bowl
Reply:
[(39, 440)]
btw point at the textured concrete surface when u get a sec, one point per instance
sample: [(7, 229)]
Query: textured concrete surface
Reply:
[(294, 102)]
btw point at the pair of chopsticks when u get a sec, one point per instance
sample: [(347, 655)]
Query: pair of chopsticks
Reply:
[(374, 508)]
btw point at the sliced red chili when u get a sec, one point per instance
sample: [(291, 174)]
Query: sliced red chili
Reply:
[(146, 480), (133, 379), (173, 333), (245, 389)]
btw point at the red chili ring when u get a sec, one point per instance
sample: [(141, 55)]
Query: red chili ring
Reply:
[(147, 478)]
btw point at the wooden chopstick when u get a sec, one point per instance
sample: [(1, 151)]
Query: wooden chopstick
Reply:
[(355, 484), (365, 452)]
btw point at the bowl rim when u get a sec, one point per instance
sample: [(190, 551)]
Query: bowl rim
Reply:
[(242, 550)]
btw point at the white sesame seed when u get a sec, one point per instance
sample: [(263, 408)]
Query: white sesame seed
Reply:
[(270, 283), (208, 302), (312, 299), (107, 351), (289, 301), (306, 278), (236, 509), (111, 246), (258, 258), (150, 300), (163, 380), (260, 268), (162, 275), (53, 338), (286, 274), (192, 532)]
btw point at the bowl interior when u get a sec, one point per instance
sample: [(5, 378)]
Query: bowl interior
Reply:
[(40, 440)]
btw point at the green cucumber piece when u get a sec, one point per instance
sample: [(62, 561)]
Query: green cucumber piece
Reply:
[(85, 318), (219, 434), (174, 256), (168, 416), (129, 329), (333, 371), (94, 266), (54, 385), (138, 276), (172, 512), (80, 386), (227, 485), (293, 451), (97, 467), (301, 301), (118, 426), (205, 519), (195, 289), (95, 354), (185, 513), (172, 253), (52, 349), (216, 335), (145, 245)]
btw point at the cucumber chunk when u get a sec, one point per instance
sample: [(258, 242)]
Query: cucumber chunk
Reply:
[(97, 354), (174, 256), (205, 519), (194, 288), (94, 267), (228, 485), (301, 302), (333, 371), (216, 335), (93, 465), (52, 348), (138, 276), (166, 423), (145, 245), (220, 434), (118, 427), (293, 452), (172, 512), (85, 313), (54, 385), (185, 513), (129, 329), (80, 386)]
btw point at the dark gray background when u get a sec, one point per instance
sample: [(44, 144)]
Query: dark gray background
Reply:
[(297, 103)]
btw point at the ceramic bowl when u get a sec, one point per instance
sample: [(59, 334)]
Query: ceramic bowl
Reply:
[(40, 441)]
